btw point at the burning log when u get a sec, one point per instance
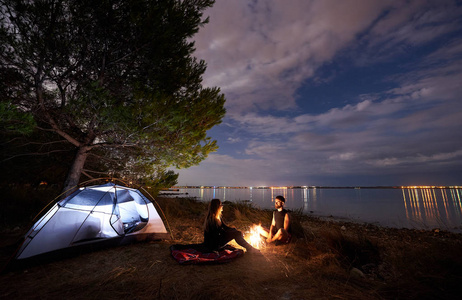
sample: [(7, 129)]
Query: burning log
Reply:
[(254, 236)]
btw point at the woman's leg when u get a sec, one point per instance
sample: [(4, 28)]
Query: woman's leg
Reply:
[(239, 238), (264, 232)]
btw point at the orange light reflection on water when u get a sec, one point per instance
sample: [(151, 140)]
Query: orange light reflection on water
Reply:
[(421, 203), (278, 188)]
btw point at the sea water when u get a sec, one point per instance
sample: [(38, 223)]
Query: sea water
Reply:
[(409, 207)]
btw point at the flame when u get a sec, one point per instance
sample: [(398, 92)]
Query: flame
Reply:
[(254, 238)]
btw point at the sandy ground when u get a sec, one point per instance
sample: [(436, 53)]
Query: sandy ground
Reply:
[(330, 260), (147, 271)]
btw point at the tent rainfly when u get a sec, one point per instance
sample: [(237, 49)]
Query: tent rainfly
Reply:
[(102, 214)]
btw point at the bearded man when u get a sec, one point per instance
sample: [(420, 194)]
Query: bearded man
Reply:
[(279, 231)]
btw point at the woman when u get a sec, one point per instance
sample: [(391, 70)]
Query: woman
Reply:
[(217, 234)]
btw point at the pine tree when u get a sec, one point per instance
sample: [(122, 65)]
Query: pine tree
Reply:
[(116, 79)]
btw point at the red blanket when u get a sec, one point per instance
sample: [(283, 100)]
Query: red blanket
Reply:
[(193, 254)]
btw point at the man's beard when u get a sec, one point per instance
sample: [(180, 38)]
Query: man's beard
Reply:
[(278, 206)]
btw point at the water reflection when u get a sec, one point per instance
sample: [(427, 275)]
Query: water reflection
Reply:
[(411, 207), (423, 206), (314, 198), (276, 191), (305, 199)]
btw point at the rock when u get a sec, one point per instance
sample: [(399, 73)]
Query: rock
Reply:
[(369, 268), (343, 228), (355, 272)]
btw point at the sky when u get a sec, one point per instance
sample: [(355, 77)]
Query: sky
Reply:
[(333, 93)]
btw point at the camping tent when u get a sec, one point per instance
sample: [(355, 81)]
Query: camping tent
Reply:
[(101, 214)]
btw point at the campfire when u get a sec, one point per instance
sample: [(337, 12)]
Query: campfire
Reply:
[(254, 238)]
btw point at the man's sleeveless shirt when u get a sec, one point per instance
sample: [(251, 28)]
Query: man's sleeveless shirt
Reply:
[(279, 218)]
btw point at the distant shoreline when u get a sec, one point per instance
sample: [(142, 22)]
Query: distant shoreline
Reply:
[(314, 187)]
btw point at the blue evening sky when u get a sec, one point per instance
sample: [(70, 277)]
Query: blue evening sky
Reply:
[(334, 92)]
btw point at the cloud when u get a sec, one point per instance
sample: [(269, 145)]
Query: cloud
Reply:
[(266, 124), (437, 159), (415, 124), (452, 51), (405, 25), (224, 170), (233, 140), (261, 52)]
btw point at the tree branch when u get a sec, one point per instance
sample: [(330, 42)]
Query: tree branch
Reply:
[(33, 154), (84, 171)]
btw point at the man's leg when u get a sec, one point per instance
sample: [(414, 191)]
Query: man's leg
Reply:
[(282, 234)]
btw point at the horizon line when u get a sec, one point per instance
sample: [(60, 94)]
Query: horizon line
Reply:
[(320, 187)]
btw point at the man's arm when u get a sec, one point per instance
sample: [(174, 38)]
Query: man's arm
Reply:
[(270, 233), (287, 222)]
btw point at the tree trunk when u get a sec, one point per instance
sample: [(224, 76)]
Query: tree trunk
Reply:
[(73, 176)]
